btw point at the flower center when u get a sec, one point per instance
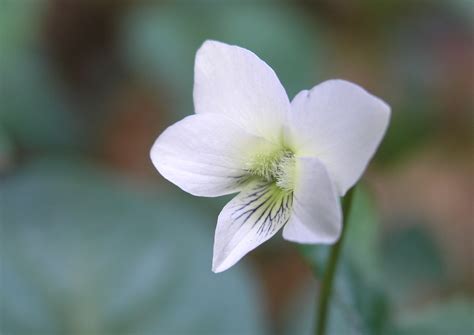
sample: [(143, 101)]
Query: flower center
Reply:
[(277, 166)]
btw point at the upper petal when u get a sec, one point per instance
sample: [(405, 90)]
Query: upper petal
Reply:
[(233, 81), (205, 155), (316, 215), (247, 221), (341, 124)]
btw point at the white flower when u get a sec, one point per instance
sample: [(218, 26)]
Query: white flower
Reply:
[(290, 161)]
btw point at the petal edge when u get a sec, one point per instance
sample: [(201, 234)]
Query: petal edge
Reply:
[(341, 124), (233, 81), (317, 215), (248, 220), (205, 155)]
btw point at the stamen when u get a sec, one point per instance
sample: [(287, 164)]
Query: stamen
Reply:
[(277, 167), (285, 172)]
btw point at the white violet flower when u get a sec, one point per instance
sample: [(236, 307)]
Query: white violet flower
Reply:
[(290, 161)]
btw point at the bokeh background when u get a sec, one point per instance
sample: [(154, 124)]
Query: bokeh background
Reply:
[(94, 241)]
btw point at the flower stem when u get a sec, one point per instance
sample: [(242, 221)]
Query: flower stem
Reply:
[(330, 271)]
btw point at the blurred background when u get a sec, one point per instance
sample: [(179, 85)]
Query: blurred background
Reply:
[(94, 241)]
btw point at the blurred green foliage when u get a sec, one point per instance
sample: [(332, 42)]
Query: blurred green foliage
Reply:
[(86, 254), (412, 125), (19, 22), (85, 250), (161, 42), (412, 263), (34, 111), (359, 305), (450, 317), (376, 283)]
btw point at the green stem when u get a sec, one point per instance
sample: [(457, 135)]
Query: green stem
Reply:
[(330, 271)]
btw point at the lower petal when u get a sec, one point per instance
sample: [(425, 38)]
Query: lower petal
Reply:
[(248, 220), (316, 216)]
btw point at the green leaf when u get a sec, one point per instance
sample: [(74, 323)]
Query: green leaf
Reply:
[(359, 304), (85, 252), (361, 244), (361, 247), (357, 308)]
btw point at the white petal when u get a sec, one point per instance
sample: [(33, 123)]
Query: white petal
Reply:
[(316, 216), (247, 221), (341, 124), (205, 155), (233, 81)]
